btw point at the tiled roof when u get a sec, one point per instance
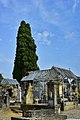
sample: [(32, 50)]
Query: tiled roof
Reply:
[(40, 75), (65, 72), (50, 74), (9, 82)]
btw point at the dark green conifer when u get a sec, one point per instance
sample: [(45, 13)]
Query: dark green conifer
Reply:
[(1, 77), (26, 58)]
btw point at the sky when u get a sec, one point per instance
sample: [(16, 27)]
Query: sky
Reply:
[(55, 27)]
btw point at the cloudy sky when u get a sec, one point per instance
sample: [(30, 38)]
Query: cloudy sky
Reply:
[(55, 26)]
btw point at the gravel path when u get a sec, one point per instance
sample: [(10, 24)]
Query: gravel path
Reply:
[(72, 114), (6, 114)]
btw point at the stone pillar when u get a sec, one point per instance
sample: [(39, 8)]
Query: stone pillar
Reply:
[(60, 90), (18, 99), (46, 91), (55, 97)]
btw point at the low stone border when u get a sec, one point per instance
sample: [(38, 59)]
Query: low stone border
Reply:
[(21, 118), (55, 117)]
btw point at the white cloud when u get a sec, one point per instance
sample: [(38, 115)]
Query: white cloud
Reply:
[(69, 35), (50, 16), (44, 37), (72, 36), (57, 15), (75, 5), (17, 6), (61, 16)]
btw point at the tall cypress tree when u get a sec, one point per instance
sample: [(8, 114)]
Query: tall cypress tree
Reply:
[(26, 58), (1, 77)]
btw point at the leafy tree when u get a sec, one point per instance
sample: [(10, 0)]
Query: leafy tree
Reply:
[(26, 58)]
